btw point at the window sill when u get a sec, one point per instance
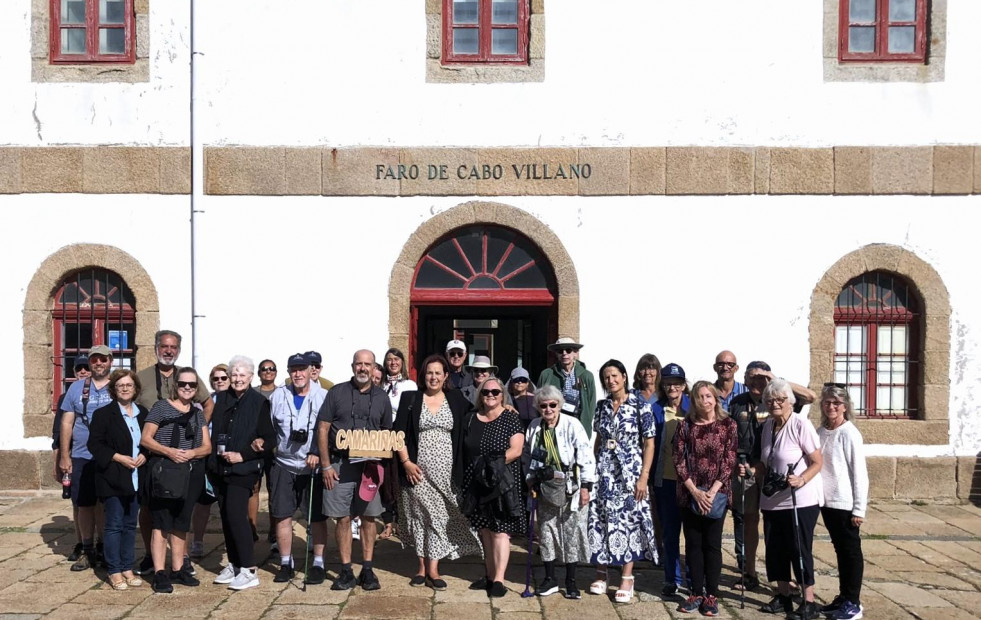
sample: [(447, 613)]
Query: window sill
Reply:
[(438, 73)]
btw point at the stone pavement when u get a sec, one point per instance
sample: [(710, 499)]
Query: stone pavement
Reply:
[(921, 561)]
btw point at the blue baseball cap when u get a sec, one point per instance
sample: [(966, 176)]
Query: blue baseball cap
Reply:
[(673, 371), (81, 360), (314, 358), (298, 360)]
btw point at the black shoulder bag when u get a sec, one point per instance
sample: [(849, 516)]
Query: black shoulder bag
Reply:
[(170, 480)]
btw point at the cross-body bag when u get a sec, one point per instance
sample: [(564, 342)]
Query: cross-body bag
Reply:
[(553, 491), (170, 480), (721, 500)]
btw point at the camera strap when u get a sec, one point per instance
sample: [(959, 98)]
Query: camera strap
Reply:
[(773, 443)]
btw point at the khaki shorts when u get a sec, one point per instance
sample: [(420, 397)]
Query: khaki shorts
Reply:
[(342, 500)]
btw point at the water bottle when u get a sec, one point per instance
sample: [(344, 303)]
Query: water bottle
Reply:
[(66, 486)]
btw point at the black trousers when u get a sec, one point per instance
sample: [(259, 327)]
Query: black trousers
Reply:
[(233, 505), (782, 551), (703, 551), (848, 547)]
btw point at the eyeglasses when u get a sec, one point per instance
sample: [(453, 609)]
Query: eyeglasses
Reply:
[(671, 386), (317, 366), (778, 402), (456, 353), (549, 405), (268, 369), (490, 392), (84, 367), (125, 386), (566, 351), (217, 379), (519, 380), (725, 364), (187, 384), (833, 403), (840, 386), (98, 359)]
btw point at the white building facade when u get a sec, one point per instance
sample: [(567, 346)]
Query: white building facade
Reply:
[(793, 181)]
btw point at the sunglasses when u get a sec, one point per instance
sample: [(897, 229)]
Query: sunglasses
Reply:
[(569, 350), (490, 392), (725, 364), (217, 379), (268, 369), (187, 384), (85, 368), (552, 405), (456, 353), (840, 386), (519, 380)]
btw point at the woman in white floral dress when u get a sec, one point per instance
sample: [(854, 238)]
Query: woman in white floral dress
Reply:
[(621, 530)]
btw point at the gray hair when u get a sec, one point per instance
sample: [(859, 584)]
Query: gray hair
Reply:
[(833, 391), (241, 361), (547, 393), (779, 387), (165, 332)]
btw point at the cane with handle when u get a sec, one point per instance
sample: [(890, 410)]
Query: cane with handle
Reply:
[(742, 570), (531, 540), (800, 547)]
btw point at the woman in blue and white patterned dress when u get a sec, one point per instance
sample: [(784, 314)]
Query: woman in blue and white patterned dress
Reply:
[(621, 530)]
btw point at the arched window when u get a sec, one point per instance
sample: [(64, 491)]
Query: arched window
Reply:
[(877, 344), (91, 307), (484, 263)]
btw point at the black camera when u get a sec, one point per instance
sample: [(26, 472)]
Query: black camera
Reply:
[(544, 474), (773, 483), (539, 455), (299, 436)]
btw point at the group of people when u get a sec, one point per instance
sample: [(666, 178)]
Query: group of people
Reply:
[(611, 480)]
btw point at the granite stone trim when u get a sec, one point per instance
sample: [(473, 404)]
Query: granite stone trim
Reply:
[(438, 73), (931, 71), (95, 170), (480, 212), (43, 71), (933, 384), (586, 171), (37, 322)]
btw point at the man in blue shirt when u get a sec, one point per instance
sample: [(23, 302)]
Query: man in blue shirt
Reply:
[(725, 370), (83, 398)]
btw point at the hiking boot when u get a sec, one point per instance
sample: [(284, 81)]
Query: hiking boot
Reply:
[(76, 552), (345, 580), (367, 580), (285, 574)]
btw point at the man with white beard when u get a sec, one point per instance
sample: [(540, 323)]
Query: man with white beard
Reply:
[(356, 404)]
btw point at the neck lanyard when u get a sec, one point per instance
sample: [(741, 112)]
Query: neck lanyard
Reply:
[(306, 400)]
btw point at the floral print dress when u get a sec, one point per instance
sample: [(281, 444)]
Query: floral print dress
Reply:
[(620, 528)]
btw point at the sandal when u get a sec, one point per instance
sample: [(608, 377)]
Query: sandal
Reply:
[(748, 582), (387, 532), (622, 595), (118, 584), (599, 585)]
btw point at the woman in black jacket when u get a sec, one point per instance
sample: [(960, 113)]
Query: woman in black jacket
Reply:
[(430, 475), (242, 429), (114, 441)]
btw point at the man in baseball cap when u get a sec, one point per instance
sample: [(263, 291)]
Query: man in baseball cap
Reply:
[(456, 355)]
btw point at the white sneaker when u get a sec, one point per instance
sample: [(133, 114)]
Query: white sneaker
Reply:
[(227, 575), (245, 579), (197, 549), (356, 529)]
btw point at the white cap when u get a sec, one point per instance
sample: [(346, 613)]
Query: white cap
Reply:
[(455, 344)]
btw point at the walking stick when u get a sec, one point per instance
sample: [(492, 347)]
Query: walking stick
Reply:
[(742, 569), (531, 540), (306, 559), (800, 547)]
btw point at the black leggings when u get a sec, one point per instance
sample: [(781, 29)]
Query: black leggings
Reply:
[(782, 552), (233, 505), (703, 551), (848, 548)]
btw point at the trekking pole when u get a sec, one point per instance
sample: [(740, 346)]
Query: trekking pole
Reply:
[(800, 547), (742, 569), (531, 540), (306, 559)]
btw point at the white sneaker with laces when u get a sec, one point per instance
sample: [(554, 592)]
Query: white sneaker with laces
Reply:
[(245, 579), (227, 575)]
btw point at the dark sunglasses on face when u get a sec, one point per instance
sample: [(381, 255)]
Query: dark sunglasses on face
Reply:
[(187, 384), (268, 369), (545, 406), (217, 379), (568, 350), (840, 386), (456, 353), (85, 368), (490, 392), (725, 364), (519, 380)]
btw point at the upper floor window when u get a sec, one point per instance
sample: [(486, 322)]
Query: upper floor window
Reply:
[(485, 31), (882, 31), (92, 31), (877, 344)]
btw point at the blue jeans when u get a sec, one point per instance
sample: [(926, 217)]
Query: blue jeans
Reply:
[(120, 537), (670, 516)]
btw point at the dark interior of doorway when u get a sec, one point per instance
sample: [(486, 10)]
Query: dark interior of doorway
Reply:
[(520, 337)]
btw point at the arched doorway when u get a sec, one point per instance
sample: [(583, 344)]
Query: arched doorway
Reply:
[(491, 287)]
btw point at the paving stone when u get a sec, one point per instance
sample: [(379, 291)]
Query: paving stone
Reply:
[(961, 552), (73, 611), (456, 610), (928, 613), (643, 611), (936, 580), (965, 600), (378, 607), (896, 563), (879, 607), (184, 602), (518, 615), (906, 596), (315, 595), (23, 597), (557, 607), (302, 612)]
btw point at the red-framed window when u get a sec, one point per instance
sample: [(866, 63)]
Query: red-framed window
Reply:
[(882, 31), (485, 31), (483, 265), (91, 307), (92, 31), (877, 344)]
